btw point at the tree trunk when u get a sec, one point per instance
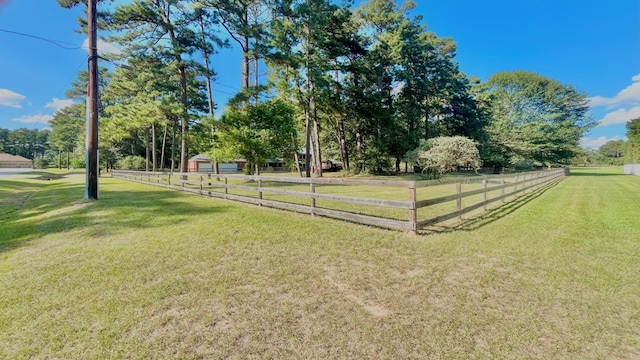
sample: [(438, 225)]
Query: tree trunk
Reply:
[(307, 149), (205, 56), (297, 160), (154, 153), (164, 143), (316, 138), (173, 145), (359, 148), (295, 156), (307, 110), (166, 17), (342, 141), (184, 153), (245, 53), (146, 149), (426, 126)]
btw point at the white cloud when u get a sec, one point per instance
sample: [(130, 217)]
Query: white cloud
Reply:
[(595, 143), (103, 47), (58, 104), (620, 116), (629, 95), (10, 98), (34, 119), (621, 108)]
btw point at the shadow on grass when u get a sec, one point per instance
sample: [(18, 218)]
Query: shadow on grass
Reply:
[(491, 215), (35, 210)]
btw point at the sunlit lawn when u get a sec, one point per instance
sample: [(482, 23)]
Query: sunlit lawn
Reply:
[(146, 272)]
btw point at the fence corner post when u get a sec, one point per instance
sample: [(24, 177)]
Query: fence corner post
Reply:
[(413, 210)]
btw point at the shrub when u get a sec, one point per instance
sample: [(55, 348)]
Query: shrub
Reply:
[(40, 163), (78, 162), (132, 163), (446, 154)]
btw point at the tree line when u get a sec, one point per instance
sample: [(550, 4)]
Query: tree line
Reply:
[(28, 143), (365, 85), (614, 152)]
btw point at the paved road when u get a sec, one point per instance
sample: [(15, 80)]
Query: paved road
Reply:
[(13, 171)]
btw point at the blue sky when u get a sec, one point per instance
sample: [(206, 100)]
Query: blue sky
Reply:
[(592, 45)]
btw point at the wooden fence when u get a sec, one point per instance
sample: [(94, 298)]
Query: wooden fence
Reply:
[(404, 205)]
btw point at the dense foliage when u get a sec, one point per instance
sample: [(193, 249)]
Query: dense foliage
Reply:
[(448, 153), (533, 118), (28, 143), (256, 133), (365, 86)]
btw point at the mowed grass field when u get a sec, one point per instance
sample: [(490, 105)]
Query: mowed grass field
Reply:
[(148, 273)]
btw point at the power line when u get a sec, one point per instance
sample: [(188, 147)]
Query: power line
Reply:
[(223, 92), (227, 86), (55, 42)]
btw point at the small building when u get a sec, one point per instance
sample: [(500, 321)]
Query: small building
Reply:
[(14, 161), (202, 163)]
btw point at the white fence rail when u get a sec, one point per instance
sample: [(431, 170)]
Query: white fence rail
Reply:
[(632, 169)]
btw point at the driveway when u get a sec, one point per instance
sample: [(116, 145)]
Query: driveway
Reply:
[(6, 172)]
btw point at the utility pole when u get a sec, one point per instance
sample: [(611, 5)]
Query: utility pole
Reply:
[(91, 191)]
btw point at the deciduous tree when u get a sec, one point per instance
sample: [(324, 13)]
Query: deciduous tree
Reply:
[(257, 132), (447, 153), (535, 118)]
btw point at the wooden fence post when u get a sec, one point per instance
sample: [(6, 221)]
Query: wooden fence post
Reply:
[(226, 188), (260, 191), (484, 194), (459, 199), (200, 184), (312, 189), (413, 212)]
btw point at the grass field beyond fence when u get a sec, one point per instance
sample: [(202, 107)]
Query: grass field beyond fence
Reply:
[(150, 273), (389, 203)]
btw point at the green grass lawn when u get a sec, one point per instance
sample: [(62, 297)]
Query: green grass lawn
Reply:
[(151, 273)]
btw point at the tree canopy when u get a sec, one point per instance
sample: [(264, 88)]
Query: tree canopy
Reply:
[(366, 85), (633, 132), (532, 117), (257, 132)]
